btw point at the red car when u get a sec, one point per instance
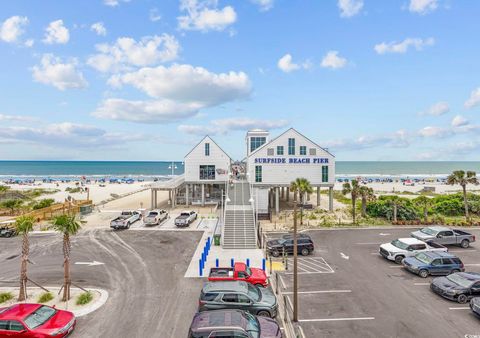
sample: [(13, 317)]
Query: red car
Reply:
[(240, 271), (35, 321)]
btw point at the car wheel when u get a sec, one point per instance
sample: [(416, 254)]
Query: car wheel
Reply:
[(305, 252), (263, 314), (423, 273), (128, 225), (465, 243), (275, 253), (399, 259), (462, 299)]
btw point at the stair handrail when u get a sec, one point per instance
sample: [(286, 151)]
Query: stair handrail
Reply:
[(225, 203), (252, 202)]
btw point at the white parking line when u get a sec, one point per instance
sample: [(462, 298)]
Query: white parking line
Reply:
[(462, 250), (459, 308), (376, 243), (319, 291), (300, 264), (314, 266), (395, 266), (335, 319), (374, 253), (471, 264), (421, 284)]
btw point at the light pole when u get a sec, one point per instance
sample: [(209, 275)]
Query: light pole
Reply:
[(295, 254), (173, 166)]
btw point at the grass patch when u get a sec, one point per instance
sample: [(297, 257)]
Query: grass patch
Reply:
[(45, 297), (73, 190), (84, 298), (5, 296)]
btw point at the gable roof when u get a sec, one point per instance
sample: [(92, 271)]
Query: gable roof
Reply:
[(286, 131), (211, 139)]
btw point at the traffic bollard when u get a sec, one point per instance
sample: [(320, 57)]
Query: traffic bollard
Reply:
[(248, 262), (200, 270), (232, 262), (263, 263), (216, 263)]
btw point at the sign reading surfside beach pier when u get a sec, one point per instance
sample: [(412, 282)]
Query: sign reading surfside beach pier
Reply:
[(293, 160)]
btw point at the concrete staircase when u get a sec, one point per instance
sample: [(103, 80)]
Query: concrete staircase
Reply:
[(239, 230)]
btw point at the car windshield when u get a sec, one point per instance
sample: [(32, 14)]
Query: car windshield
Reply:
[(424, 258), (254, 293), (185, 214), (153, 214), (39, 317), (459, 280), (429, 231), (253, 327), (126, 213), (399, 244), (281, 241)]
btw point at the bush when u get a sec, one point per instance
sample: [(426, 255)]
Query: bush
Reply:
[(84, 298), (45, 297), (452, 205), (73, 190), (44, 203), (5, 296), (383, 207)]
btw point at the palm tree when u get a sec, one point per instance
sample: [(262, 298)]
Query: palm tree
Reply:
[(423, 202), (303, 187), (68, 226), (13, 205), (395, 202), (459, 177), (354, 190), (367, 195), (23, 225)]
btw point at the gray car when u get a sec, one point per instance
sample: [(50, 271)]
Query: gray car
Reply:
[(444, 236), (238, 295)]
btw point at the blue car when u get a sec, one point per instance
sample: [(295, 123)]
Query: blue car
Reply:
[(433, 263)]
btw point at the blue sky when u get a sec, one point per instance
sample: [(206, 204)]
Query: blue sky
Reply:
[(145, 80)]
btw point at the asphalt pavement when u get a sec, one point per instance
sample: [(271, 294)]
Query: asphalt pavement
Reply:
[(142, 272), (348, 290)]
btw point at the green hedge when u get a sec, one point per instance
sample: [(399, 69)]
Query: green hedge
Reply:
[(383, 207)]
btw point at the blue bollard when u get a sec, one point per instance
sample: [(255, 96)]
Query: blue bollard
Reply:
[(232, 262), (264, 263), (200, 268), (248, 262), (216, 262)]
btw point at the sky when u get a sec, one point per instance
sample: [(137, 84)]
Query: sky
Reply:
[(146, 80)]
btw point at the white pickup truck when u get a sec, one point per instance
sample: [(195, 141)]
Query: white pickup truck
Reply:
[(125, 219), (400, 248), (185, 218), (155, 217)]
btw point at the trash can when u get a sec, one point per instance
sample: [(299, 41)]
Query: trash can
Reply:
[(216, 239)]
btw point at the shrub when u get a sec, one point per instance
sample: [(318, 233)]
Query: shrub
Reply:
[(73, 190), (383, 207), (45, 297), (5, 296), (44, 203), (84, 298)]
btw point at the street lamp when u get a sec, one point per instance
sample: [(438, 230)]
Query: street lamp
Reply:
[(173, 166)]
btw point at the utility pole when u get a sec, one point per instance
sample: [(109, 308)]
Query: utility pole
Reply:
[(295, 254)]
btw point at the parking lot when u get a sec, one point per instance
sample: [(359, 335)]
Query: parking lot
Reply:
[(346, 289)]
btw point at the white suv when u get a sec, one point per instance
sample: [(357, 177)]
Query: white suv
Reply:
[(400, 248)]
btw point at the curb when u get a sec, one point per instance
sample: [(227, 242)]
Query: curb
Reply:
[(95, 306)]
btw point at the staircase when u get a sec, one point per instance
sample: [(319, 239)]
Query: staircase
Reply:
[(239, 226)]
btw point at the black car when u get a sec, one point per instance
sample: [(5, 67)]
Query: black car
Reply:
[(459, 286), (475, 306), (7, 232), (276, 247)]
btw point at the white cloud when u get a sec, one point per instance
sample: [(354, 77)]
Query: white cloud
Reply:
[(56, 32), (52, 71), (154, 15), (146, 111), (422, 6), (113, 3), (29, 43), (474, 99), (185, 83), (349, 8), (398, 139), (439, 108), (203, 15), (430, 131), (126, 52), (13, 28), (402, 47), (287, 65), (65, 135), (99, 28), (223, 126), (333, 60), (15, 118), (265, 5), (459, 121)]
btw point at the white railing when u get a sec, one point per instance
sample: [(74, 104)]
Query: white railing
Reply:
[(225, 203), (252, 202)]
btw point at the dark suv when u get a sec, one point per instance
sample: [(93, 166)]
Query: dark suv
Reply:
[(232, 324), (238, 295), (275, 247)]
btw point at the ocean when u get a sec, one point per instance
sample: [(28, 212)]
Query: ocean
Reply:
[(151, 170)]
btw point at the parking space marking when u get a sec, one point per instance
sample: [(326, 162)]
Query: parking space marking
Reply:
[(318, 291), (459, 308), (395, 266), (471, 264), (376, 243), (311, 265), (462, 250), (335, 319), (424, 284)]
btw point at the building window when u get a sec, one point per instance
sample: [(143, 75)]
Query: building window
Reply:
[(207, 172), (258, 173), (270, 152), (303, 150), (325, 173), (207, 149), (291, 146), (257, 142), (313, 151), (279, 150)]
